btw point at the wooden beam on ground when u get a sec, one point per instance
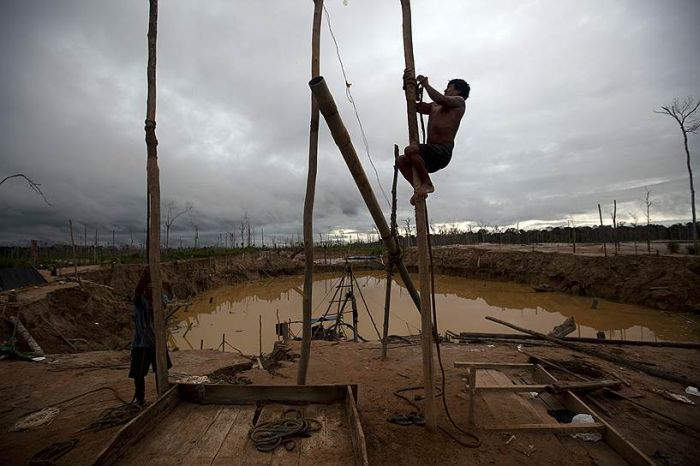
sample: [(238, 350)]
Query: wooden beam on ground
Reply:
[(515, 336), (494, 365), (608, 356), (554, 428), (612, 437)]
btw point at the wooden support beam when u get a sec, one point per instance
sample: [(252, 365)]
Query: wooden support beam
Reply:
[(421, 226), (153, 177), (309, 201), (246, 394), (342, 139)]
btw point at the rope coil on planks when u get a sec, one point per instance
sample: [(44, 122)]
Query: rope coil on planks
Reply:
[(270, 435)]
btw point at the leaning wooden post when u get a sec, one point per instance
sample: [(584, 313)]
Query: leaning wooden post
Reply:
[(421, 224), (309, 202), (342, 139), (153, 177), (390, 262)]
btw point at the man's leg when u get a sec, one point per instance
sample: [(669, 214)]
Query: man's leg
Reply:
[(140, 390), (416, 161)]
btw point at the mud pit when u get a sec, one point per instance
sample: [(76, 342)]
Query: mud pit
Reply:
[(462, 305)]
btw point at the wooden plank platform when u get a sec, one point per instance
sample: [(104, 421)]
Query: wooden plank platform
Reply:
[(209, 425)]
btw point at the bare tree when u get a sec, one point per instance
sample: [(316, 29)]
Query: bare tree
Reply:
[(408, 230), (683, 111), (171, 214), (647, 214), (32, 184), (634, 222)]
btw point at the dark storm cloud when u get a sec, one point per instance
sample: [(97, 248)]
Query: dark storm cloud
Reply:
[(560, 117)]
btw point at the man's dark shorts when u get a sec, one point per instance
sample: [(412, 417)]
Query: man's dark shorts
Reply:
[(141, 360), (436, 156)]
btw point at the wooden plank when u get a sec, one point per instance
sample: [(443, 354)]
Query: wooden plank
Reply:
[(244, 394), (512, 388), (612, 437), (236, 448), (206, 448), (137, 427), (529, 405), (551, 428), (152, 449), (494, 365), (358, 437), (332, 444), (506, 406)]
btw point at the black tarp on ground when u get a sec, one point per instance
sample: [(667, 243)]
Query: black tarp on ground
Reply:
[(16, 277)]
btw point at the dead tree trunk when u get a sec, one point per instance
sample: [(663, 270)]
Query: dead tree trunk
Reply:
[(309, 201), (153, 178), (602, 231)]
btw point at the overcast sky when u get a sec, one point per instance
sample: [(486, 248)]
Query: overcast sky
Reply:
[(560, 117)]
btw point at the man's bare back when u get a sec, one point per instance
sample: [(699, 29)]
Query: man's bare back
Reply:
[(445, 114)]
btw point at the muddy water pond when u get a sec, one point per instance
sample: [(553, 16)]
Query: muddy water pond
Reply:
[(237, 311)]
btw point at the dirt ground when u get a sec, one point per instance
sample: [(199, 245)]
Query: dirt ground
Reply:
[(28, 386), (92, 323)]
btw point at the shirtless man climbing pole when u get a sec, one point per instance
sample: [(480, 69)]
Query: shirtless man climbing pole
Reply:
[(445, 113)]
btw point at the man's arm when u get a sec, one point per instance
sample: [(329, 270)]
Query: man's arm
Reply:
[(424, 108), (439, 98)]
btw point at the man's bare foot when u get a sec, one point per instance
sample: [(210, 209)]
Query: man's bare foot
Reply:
[(425, 189), (417, 196)]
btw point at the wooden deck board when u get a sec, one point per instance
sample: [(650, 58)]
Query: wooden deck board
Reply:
[(234, 448), (206, 448), (164, 433), (506, 408), (331, 445)]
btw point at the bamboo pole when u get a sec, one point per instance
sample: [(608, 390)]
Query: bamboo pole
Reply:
[(153, 177), (390, 262), (421, 225), (309, 201), (342, 139)]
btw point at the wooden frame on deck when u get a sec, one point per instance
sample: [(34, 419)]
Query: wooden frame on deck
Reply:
[(566, 397), (145, 422)]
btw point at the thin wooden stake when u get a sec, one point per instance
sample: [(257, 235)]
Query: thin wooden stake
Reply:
[(153, 177), (260, 352)]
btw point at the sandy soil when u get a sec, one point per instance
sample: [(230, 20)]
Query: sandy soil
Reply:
[(29, 386)]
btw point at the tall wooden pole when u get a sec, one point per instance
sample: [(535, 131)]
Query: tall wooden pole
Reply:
[(153, 177), (309, 201), (421, 224)]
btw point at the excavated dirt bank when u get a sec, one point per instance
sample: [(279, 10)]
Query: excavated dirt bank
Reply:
[(667, 283), (64, 317)]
